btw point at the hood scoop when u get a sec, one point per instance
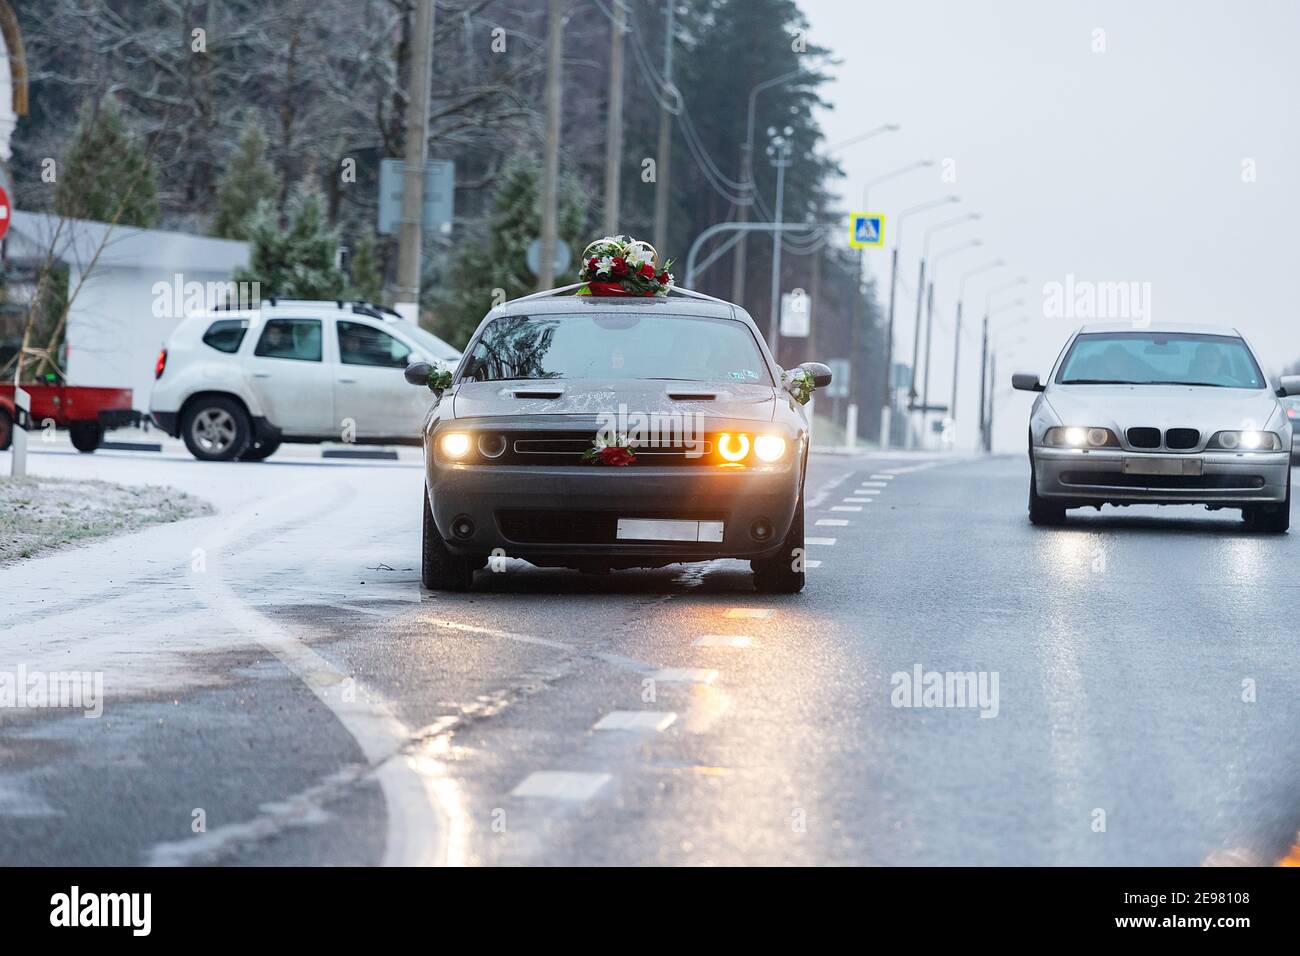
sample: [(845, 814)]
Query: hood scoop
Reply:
[(533, 392), (678, 396)]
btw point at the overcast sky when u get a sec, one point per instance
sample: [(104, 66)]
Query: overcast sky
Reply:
[(1122, 165)]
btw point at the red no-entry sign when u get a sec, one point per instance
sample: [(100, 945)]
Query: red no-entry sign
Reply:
[(4, 212)]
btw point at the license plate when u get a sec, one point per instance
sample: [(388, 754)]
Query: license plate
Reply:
[(1162, 466), (668, 529)]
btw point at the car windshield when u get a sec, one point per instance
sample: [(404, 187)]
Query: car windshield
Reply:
[(1160, 358), (620, 345)]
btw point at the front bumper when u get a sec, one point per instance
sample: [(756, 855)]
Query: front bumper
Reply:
[(1096, 476), (570, 511)]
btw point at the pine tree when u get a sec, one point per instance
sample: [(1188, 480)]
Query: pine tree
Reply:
[(367, 276), (500, 262), (299, 262), (105, 174), (247, 180)]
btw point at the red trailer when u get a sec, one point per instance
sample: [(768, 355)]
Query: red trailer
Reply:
[(84, 411)]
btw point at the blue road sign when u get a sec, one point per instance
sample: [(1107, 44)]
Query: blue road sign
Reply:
[(866, 230)]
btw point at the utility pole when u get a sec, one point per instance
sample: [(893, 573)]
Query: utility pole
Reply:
[(929, 341), (779, 151), (742, 214), (614, 119), (410, 236), (551, 161), (956, 365), (993, 386), (916, 347), (984, 368), (665, 142)]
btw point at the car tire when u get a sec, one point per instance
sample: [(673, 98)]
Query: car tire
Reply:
[(85, 436), (1270, 519), (777, 575), (1041, 511), (6, 430), (259, 451), (216, 429), (440, 570)]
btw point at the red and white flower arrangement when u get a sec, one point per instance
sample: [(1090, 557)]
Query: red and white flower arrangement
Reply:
[(613, 451), (621, 265)]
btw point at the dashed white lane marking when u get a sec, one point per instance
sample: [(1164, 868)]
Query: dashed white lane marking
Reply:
[(636, 720), (857, 501), (846, 508), (812, 564), (561, 785), (831, 522), (685, 675), (867, 491), (724, 640), (827, 541), (758, 613), (883, 477)]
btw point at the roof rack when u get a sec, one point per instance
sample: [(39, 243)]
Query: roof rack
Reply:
[(562, 290)]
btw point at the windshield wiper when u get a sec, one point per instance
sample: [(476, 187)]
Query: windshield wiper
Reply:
[(1193, 384), (1096, 381)]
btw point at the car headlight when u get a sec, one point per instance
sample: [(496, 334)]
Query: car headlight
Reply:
[(769, 448), (491, 444), (1080, 436), (1245, 441), (454, 444), (733, 446)]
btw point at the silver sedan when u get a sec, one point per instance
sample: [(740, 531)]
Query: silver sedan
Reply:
[(1160, 415)]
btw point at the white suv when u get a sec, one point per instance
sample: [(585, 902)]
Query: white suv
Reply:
[(235, 383)]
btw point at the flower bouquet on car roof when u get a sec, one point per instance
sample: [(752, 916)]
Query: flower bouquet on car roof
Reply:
[(620, 265)]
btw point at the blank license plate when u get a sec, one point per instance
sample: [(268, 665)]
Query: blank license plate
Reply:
[(1162, 466), (668, 529)]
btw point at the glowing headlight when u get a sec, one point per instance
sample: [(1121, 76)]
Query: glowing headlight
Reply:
[(1075, 436), (733, 447), (769, 447), (1246, 441), (454, 444), (1252, 440)]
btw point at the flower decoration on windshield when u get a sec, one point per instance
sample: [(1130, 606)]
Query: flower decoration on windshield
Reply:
[(439, 377), (799, 383), (616, 451), (621, 265)]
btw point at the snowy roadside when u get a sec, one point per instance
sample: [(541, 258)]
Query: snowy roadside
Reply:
[(42, 514)]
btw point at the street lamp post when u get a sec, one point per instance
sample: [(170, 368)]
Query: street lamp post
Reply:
[(921, 295), (956, 351), (778, 151), (929, 320), (893, 289), (984, 350)]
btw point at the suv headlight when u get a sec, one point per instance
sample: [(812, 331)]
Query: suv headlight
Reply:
[(1080, 436), (1245, 441)]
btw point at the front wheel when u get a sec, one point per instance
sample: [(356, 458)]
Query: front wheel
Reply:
[(440, 570), (1041, 511), (1271, 519), (784, 573), (85, 436)]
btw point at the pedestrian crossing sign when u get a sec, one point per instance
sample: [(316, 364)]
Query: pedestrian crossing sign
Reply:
[(866, 230)]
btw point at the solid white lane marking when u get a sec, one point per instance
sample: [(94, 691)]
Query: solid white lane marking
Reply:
[(812, 564), (758, 613), (857, 501), (819, 540), (636, 720), (685, 675), (846, 508), (831, 522), (724, 640), (561, 785)]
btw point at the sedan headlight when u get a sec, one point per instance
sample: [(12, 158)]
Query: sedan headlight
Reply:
[(454, 444), (1081, 436), (1245, 441)]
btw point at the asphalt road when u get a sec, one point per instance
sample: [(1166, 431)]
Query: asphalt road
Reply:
[(276, 673)]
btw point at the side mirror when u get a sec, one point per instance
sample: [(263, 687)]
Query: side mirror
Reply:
[(821, 374), (417, 373), (1027, 382), (1289, 385)]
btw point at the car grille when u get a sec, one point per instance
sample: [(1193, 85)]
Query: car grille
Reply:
[(1182, 438), (581, 527), (1115, 479), (568, 447), (1175, 439), (1144, 437)]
